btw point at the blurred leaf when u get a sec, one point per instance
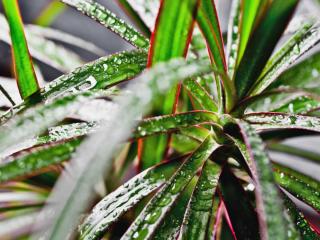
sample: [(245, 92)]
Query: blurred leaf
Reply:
[(108, 19), (295, 151), (149, 219), (262, 44), (269, 206), (305, 38), (44, 50), (36, 119), (129, 194), (299, 185), (242, 214), (26, 78), (60, 36), (265, 120), (304, 74), (198, 211), (50, 13)]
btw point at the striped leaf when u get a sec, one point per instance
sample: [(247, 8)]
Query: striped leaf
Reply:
[(158, 207), (262, 44), (199, 209), (127, 196)]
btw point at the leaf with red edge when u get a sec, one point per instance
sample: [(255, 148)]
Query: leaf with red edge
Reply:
[(170, 39)]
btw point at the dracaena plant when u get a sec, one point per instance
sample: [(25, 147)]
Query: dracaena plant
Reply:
[(178, 151)]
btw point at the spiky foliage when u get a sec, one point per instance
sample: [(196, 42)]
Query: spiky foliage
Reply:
[(182, 148)]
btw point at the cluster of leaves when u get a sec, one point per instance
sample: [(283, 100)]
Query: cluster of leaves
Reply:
[(199, 159)]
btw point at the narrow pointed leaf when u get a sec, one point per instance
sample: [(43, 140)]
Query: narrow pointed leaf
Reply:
[(164, 124), (31, 161), (208, 21), (269, 206), (304, 74), (264, 121), (299, 220), (110, 21), (129, 194), (26, 78), (102, 73), (250, 11), (50, 13), (158, 207), (242, 214), (44, 49), (170, 226), (170, 39), (294, 48), (199, 209), (302, 104), (87, 167), (299, 185), (262, 43), (200, 95)]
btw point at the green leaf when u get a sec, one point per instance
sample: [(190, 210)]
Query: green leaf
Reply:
[(108, 19), (262, 43), (250, 11), (198, 213), (295, 47), (26, 78), (128, 195), (170, 226), (208, 21), (242, 214), (299, 185), (269, 206), (265, 121), (304, 74), (170, 39), (295, 151), (167, 123), (89, 166), (50, 13), (99, 74), (30, 161), (200, 95), (158, 207), (299, 220)]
